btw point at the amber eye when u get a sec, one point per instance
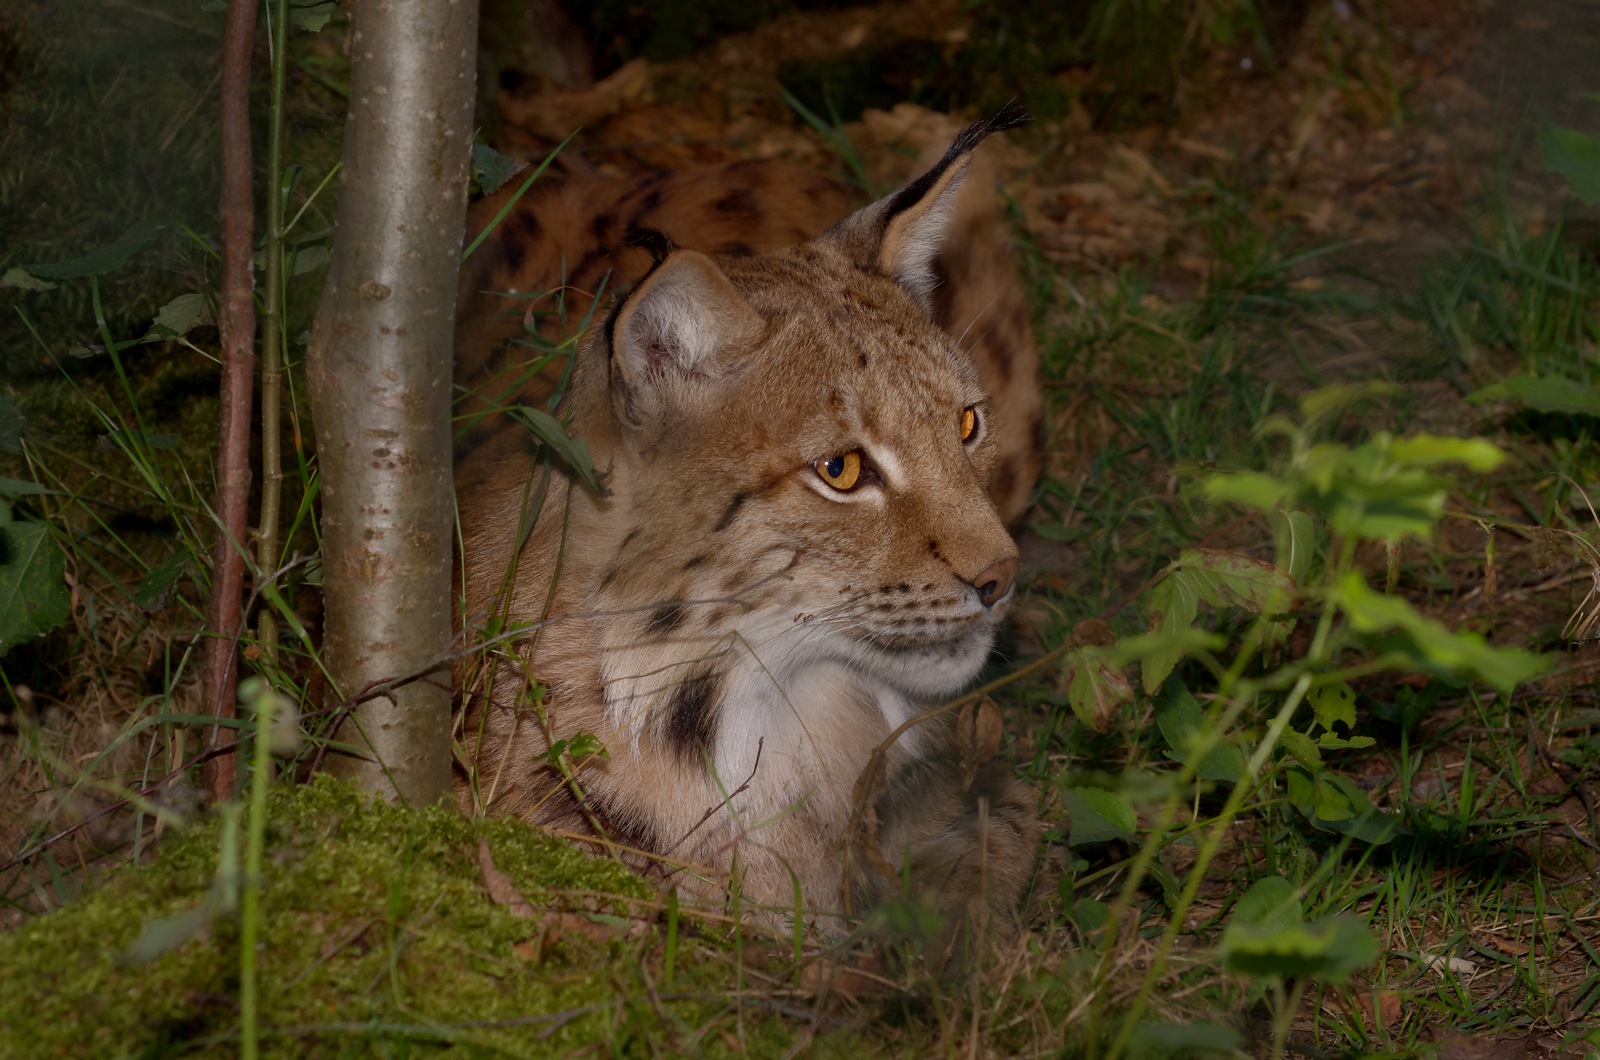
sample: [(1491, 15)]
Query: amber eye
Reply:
[(842, 472), (969, 423)]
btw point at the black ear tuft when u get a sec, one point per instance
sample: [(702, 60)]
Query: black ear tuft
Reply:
[(899, 236), (967, 140)]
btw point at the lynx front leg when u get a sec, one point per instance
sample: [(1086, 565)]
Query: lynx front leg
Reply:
[(970, 848)]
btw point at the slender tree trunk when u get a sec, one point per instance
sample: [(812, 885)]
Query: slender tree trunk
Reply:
[(237, 322), (380, 362)]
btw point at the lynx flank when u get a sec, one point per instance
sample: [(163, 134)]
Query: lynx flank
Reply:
[(811, 442)]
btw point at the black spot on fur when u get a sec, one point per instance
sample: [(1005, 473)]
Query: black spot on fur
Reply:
[(731, 511), (695, 562), (692, 716), (861, 359), (664, 620), (738, 201), (603, 225), (610, 576), (628, 538), (513, 252)]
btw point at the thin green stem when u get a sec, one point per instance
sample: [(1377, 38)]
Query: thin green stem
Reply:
[(264, 700)]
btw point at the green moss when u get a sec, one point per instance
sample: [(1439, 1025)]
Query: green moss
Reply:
[(377, 935)]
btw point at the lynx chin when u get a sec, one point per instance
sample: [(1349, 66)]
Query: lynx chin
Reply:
[(811, 434)]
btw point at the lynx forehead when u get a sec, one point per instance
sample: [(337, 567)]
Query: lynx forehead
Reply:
[(797, 550)]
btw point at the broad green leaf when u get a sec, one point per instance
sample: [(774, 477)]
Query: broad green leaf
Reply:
[(312, 17), (1329, 742), (1234, 579), (1333, 702), (491, 169), (1094, 689), (155, 588), (108, 258), (1314, 796), (1302, 747), (569, 450), (1574, 155), (1267, 936), (1545, 393), (1426, 450), (180, 316), (18, 277), (1098, 816), (1327, 950), (1181, 721), (33, 589), (1090, 914), (1334, 804), (1249, 488), (1431, 646), (1295, 542), (1270, 904), (308, 259), (1172, 607)]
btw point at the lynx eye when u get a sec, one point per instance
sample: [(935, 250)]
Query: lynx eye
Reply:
[(842, 472), (969, 423)]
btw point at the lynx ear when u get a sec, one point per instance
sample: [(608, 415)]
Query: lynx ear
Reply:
[(683, 323), (899, 236)]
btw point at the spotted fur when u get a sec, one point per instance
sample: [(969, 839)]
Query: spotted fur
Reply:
[(739, 634)]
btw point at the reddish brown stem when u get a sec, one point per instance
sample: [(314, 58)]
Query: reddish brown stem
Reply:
[(236, 319)]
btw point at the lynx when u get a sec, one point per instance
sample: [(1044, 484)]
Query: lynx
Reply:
[(809, 444)]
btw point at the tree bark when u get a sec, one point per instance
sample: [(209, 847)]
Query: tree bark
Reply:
[(236, 321), (380, 364)]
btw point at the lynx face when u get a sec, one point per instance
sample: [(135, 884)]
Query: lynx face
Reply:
[(796, 553)]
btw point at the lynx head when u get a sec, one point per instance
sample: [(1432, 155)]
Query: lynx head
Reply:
[(803, 455)]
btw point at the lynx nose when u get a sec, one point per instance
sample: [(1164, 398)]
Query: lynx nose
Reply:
[(995, 581)]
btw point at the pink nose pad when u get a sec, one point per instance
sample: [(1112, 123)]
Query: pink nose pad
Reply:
[(995, 581)]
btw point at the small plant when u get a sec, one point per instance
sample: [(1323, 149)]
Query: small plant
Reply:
[(1325, 503)]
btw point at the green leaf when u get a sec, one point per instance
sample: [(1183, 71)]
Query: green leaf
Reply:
[(108, 258), (155, 588), (1574, 155), (569, 450), (1181, 721), (1328, 950), (1333, 803), (1333, 702), (180, 316), (1270, 904), (308, 259), (1098, 816), (1545, 393), (1172, 607), (33, 589), (18, 277), (1302, 747), (1249, 488), (1094, 688), (1225, 579), (491, 169), (1426, 450), (1267, 936), (313, 16), (1329, 742), (1295, 542), (1429, 645)]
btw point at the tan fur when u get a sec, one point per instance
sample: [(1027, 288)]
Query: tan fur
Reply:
[(739, 635)]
